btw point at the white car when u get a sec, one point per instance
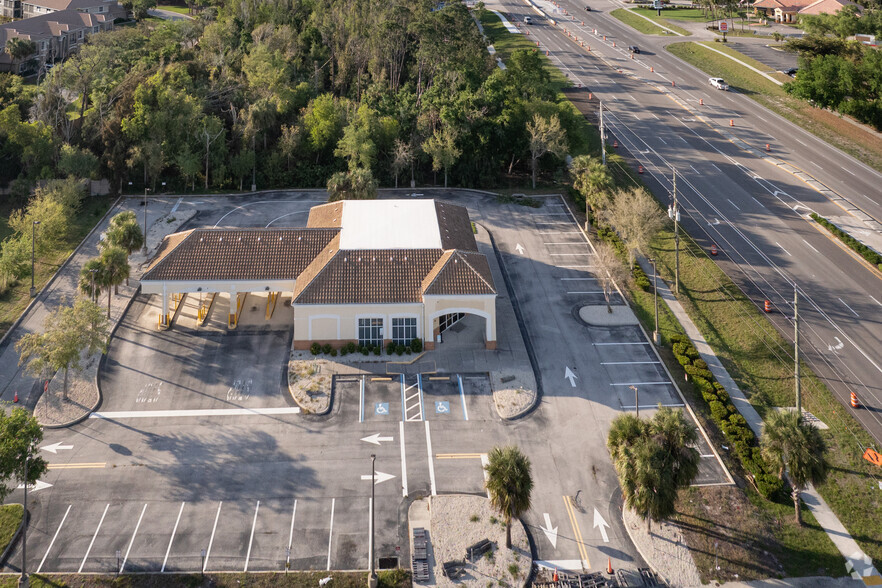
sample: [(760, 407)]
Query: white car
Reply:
[(528, 20), (718, 83)]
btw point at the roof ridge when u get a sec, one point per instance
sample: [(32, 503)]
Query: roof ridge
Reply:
[(164, 254), (471, 267), (442, 260), (321, 266)]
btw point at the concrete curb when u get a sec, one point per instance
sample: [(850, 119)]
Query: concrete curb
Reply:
[(25, 519), (15, 325)]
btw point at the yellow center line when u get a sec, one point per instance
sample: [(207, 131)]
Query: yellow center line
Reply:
[(577, 532), (458, 455), (76, 466)]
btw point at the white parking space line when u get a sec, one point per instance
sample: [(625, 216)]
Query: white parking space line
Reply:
[(625, 343), (54, 537), (251, 539), (578, 279), (140, 414), (695, 170), (172, 538), (643, 384), (587, 292), (92, 542), (582, 243), (132, 542), (849, 308), (716, 168), (361, 400), (757, 201), (628, 362), (662, 140), (403, 459), (651, 406), (465, 411), (331, 532), (431, 459), (211, 541), (291, 536)]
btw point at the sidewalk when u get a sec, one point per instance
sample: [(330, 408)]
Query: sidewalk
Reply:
[(859, 565)]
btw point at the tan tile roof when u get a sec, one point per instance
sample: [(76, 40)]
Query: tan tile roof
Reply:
[(455, 227), (826, 7), (168, 244), (381, 276), (326, 215), (462, 273), (239, 254)]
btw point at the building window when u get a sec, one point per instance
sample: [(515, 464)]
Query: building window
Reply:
[(446, 321), (404, 330), (370, 331)]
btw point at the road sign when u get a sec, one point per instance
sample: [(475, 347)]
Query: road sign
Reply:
[(657, 5), (724, 26), (873, 457)]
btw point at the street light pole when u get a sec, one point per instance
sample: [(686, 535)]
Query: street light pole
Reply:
[(655, 335), (676, 214), (33, 243), (372, 577), (602, 137), (23, 580), (796, 350), (144, 249), (636, 400)]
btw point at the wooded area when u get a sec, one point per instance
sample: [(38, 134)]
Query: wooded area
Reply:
[(282, 93)]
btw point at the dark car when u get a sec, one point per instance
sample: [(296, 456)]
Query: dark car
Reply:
[(587, 9), (634, 49), (791, 72)]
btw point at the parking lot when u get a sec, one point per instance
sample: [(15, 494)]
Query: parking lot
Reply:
[(200, 447)]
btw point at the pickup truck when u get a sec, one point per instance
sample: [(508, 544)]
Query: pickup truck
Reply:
[(718, 83)]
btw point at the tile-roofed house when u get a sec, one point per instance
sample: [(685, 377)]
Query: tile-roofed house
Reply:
[(55, 34), (403, 266), (827, 7), (790, 10)]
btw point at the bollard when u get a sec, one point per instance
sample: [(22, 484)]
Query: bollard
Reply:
[(854, 401), (767, 306), (713, 249), (614, 43), (615, 144), (604, 37)]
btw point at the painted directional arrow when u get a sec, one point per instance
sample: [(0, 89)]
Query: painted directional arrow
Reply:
[(839, 345), (40, 485), (55, 447), (715, 222), (599, 522), (379, 478), (520, 248), (550, 532), (569, 375), (375, 439)]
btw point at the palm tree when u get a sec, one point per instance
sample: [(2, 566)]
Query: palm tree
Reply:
[(124, 232), (113, 268), (798, 451), (91, 284), (592, 180), (509, 484), (654, 460)]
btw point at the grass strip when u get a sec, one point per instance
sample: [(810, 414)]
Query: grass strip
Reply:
[(10, 520), (748, 60), (667, 19), (869, 254), (399, 578), (635, 22), (15, 299), (826, 125), (179, 9)]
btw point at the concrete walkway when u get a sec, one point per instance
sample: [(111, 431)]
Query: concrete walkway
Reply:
[(858, 564)]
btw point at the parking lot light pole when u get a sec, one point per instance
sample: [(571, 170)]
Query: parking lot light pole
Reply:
[(23, 579), (372, 577), (636, 400), (144, 249), (655, 335), (33, 243)]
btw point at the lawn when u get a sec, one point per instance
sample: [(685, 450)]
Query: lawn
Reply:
[(171, 8), (635, 22), (10, 520), (748, 60), (826, 125), (388, 579), (14, 301)]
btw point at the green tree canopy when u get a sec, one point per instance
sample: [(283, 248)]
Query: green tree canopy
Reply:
[(20, 435)]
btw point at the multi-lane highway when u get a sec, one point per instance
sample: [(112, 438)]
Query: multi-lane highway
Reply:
[(667, 116)]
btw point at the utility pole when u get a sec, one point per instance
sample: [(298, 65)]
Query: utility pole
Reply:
[(23, 581), (796, 350), (655, 335), (676, 216), (602, 137)]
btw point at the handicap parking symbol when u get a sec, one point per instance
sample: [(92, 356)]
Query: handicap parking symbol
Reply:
[(382, 408), (442, 406)]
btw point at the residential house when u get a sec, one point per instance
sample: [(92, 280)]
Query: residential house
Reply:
[(788, 11)]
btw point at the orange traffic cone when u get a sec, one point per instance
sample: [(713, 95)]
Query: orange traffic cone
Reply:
[(609, 569), (652, 70), (615, 144), (731, 122), (15, 398), (639, 169), (854, 401), (701, 101), (555, 578), (713, 249), (768, 147), (767, 306), (673, 85)]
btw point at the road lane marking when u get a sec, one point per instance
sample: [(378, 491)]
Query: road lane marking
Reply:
[(251, 539), (849, 308), (77, 466), (577, 532), (733, 204), (92, 542), (403, 459), (757, 201), (713, 165), (431, 461), (331, 532), (625, 343), (628, 362), (651, 406), (175, 530), (132, 542), (138, 414), (211, 541), (876, 301), (810, 245), (587, 292), (782, 248), (642, 384), (815, 164), (662, 140), (54, 537), (458, 455)]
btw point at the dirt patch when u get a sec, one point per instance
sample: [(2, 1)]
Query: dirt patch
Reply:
[(514, 392), (54, 410), (309, 382)]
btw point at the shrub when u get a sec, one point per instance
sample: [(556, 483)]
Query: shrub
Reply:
[(641, 279), (399, 349), (351, 347), (378, 350), (326, 348), (390, 348), (344, 350), (416, 345), (333, 352), (363, 350), (718, 411), (683, 360), (679, 347), (315, 348), (698, 373), (691, 352), (700, 364)]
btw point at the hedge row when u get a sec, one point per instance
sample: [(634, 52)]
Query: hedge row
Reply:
[(862, 250), (415, 346), (606, 233), (744, 442)]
